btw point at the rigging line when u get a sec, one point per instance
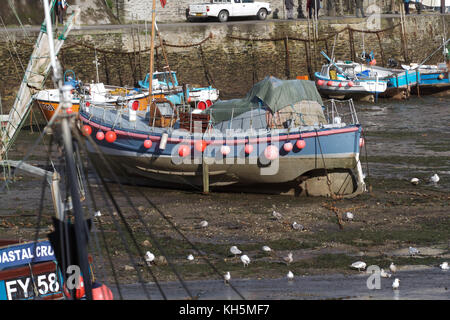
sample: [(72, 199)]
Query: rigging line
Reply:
[(101, 181), (94, 203), (18, 19), (161, 213), (106, 162), (39, 217), (171, 265), (15, 50)]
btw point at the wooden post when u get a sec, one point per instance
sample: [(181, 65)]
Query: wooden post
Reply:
[(205, 175)]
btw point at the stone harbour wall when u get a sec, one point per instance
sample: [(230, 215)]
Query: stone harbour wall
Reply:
[(231, 57)]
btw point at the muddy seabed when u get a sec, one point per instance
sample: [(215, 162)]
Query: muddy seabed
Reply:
[(404, 139)]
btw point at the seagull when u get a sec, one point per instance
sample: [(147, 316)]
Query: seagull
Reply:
[(413, 251), (277, 215), (385, 274), (415, 181), (434, 178), (266, 249), (290, 275), (190, 257), (396, 284), (227, 277), (234, 250), (98, 214), (393, 268), (349, 216), (245, 260), (444, 266), (203, 224), (297, 226), (149, 257), (358, 265), (289, 258)]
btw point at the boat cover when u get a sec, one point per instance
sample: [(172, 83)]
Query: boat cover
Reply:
[(271, 93)]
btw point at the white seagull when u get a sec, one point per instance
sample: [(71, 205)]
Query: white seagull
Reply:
[(358, 265), (444, 266), (266, 248), (234, 250), (415, 181), (245, 260), (290, 275), (434, 178), (413, 251), (385, 274), (297, 226), (190, 257), (289, 258), (393, 268), (203, 224), (349, 216), (277, 215), (149, 257), (396, 284), (227, 277)]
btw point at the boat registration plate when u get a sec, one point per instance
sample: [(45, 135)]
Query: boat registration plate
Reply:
[(199, 14)]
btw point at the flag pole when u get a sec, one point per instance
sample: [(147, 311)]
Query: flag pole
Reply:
[(152, 48)]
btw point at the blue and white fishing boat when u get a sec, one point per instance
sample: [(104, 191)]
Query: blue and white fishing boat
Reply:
[(278, 137)]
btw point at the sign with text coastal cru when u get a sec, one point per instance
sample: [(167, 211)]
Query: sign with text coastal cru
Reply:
[(25, 253)]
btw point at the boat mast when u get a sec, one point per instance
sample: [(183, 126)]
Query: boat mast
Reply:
[(66, 102), (152, 49)]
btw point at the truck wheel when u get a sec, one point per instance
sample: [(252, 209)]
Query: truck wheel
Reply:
[(223, 16), (262, 14)]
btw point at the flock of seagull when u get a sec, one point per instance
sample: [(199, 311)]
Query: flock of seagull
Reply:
[(360, 265)]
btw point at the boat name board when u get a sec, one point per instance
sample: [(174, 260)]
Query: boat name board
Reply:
[(22, 254)]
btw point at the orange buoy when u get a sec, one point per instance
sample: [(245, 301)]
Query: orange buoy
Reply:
[(300, 144), (208, 103), (148, 144), (69, 110), (87, 130), (248, 148), (79, 291), (184, 150), (100, 135), (361, 142), (373, 62), (110, 136), (320, 82), (201, 105), (200, 145), (271, 152), (350, 84), (101, 292), (330, 83), (288, 146)]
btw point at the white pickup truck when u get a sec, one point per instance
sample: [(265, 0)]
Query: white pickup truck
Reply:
[(223, 9)]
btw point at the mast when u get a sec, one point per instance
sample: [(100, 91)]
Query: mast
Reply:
[(152, 49), (66, 102)]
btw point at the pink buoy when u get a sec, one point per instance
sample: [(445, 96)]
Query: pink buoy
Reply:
[(271, 152), (248, 148), (350, 84), (100, 135), (373, 62), (110, 136), (148, 144), (361, 142), (330, 83), (184, 150), (225, 150), (288, 146), (320, 82), (300, 144)]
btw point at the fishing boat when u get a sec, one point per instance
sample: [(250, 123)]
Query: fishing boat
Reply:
[(277, 138), (167, 83), (348, 79), (93, 93)]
